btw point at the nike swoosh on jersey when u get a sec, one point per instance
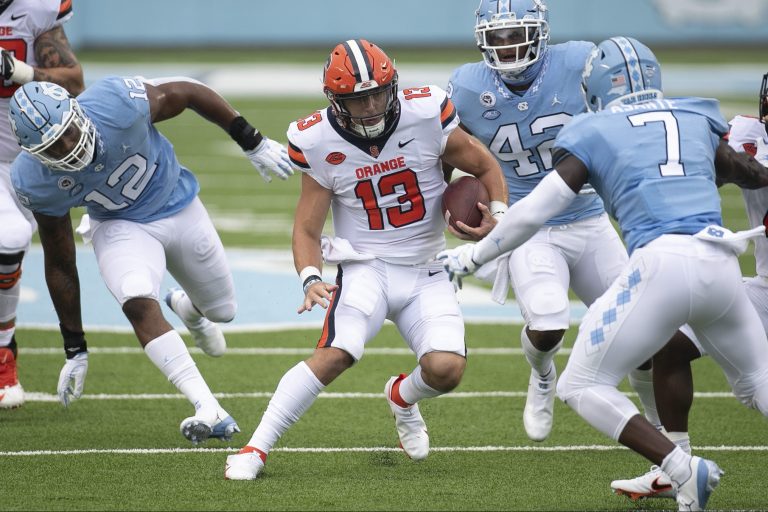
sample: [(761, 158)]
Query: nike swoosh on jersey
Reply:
[(435, 273), (15, 17), (403, 144)]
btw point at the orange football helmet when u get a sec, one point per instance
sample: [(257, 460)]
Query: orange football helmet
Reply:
[(359, 72)]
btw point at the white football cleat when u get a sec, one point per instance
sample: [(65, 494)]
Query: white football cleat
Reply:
[(694, 493), (540, 405), (653, 484), (244, 465), (11, 392), (411, 428), (207, 335)]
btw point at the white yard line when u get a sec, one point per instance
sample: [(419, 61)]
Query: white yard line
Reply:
[(280, 351), (50, 397), (363, 449)]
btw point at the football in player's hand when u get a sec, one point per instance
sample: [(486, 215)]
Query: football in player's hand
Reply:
[(460, 201)]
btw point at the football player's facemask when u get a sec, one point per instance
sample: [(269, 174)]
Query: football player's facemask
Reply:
[(360, 81), (512, 35), (764, 102), (50, 125), (620, 71)]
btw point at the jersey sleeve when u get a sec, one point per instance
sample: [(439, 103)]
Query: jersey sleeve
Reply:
[(37, 191), (122, 101), (65, 10), (744, 133), (299, 160), (571, 141)]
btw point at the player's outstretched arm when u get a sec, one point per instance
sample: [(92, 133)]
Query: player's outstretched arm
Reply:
[(56, 62), (63, 282), (311, 212), (169, 97), (741, 169)]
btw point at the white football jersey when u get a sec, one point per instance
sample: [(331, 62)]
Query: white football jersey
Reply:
[(20, 24), (386, 191), (743, 136)]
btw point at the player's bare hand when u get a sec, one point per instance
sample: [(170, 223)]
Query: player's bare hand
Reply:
[(478, 233), (318, 293)]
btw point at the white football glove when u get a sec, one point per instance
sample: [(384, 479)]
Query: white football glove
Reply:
[(270, 157), (458, 262), (762, 152), (72, 378), (14, 69)]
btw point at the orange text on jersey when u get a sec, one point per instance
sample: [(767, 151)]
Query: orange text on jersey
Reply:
[(368, 171)]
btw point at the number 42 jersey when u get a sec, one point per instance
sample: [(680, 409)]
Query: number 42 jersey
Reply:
[(386, 191)]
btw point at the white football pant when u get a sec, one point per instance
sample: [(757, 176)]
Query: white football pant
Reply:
[(133, 257), (585, 256), (419, 299), (676, 279)]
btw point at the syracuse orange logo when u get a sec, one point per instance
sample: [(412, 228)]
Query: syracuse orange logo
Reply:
[(335, 158)]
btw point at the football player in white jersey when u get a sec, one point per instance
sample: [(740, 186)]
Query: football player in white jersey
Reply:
[(672, 370), (655, 162), (374, 158), (103, 151), (33, 46), (516, 100)]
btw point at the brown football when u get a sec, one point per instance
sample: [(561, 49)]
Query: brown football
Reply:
[(460, 201)]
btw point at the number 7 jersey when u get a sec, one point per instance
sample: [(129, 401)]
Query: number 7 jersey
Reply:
[(386, 191)]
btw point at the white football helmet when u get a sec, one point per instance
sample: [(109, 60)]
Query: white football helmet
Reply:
[(512, 34)]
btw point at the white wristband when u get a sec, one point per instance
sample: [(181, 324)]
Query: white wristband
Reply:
[(22, 72), (309, 271), (497, 208)]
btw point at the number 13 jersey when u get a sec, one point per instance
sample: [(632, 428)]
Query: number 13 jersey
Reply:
[(386, 191)]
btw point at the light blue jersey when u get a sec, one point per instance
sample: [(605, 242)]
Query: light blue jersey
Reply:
[(520, 130), (134, 175), (652, 163)]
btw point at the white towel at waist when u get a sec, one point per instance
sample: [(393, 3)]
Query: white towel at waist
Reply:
[(338, 250)]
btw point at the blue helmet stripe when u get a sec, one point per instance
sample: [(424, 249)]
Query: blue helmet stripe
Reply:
[(29, 110), (632, 62)]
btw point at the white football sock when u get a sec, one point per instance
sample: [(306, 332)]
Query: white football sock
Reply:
[(540, 361), (296, 392), (681, 439), (677, 464), (642, 382), (9, 303), (170, 354), (413, 388), (187, 311), (6, 336)]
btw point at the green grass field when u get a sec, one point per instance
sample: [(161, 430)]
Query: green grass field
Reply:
[(119, 447)]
